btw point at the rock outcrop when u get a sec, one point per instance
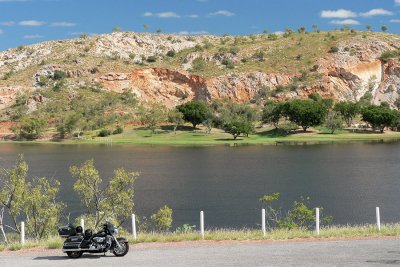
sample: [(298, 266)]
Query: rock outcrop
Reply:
[(348, 73)]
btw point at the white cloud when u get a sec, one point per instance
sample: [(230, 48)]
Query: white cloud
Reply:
[(397, 2), (345, 22), (193, 32), (164, 15), (340, 13), (33, 36), (377, 12), (1, 31), (33, 23), (193, 16), (225, 13), (63, 24), (395, 20), (7, 23)]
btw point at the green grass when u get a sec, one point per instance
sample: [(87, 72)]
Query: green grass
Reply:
[(139, 136), (356, 231)]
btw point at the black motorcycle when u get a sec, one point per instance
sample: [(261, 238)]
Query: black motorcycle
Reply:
[(77, 242)]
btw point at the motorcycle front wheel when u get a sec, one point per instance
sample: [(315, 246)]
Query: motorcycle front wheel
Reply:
[(74, 254), (120, 252)]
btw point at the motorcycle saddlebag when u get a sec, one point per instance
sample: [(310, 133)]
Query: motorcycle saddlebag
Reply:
[(73, 242), (66, 231)]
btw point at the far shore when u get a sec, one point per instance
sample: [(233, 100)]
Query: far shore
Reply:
[(217, 137)]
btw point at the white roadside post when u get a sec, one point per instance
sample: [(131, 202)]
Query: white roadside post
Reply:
[(202, 224), (134, 226), (23, 233), (378, 219), (317, 220), (263, 221), (83, 224)]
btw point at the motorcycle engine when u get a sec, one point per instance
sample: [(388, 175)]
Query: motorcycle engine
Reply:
[(98, 243), (101, 242)]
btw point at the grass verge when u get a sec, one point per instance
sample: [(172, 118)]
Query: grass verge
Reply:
[(331, 232)]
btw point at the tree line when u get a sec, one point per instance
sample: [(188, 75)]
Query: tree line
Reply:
[(241, 119)]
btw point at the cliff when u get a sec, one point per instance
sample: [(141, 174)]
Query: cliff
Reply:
[(173, 69)]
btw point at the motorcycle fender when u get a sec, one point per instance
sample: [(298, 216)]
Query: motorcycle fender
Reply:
[(122, 239)]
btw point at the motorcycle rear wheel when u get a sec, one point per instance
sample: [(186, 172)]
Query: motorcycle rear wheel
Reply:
[(120, 252), (74, 254)]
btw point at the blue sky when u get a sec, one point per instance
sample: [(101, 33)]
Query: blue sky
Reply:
[(24, 22)]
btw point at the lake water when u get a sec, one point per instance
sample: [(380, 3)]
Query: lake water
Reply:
[(348, 180)]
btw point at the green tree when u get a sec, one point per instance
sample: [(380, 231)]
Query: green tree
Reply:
[(116, 29), (365, 100), (194, 112), (349, 110), (305, 113), (176, 118), (379, 117), (12, 194), (88, 186), (115, 201), (299, 216), (368, 27), (315, 27), (153, 116), (70, 123), (384, 28), (119, 195), (302, 29), (41, 208), (334, 121), (272, 113), (31, 128), (163, 218), (239, 126), (208, 123)]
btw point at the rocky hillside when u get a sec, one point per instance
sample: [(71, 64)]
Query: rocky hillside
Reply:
[(172, 69)]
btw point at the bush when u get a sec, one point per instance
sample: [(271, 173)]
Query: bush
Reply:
[(163, 218), (171, 53), (199, 64), (334, 49), (184, 229), (228, 64), (104, 133), (119, 130), (59, 75), (387, 55), (151, 59)]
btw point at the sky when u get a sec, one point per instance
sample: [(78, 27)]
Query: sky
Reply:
[(24, 22)]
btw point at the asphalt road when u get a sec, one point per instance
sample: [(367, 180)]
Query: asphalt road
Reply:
[(381, 252)]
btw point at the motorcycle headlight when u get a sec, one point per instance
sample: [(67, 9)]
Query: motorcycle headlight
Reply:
[(116, 230)]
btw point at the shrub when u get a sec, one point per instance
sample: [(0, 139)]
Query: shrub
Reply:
[(151, 59), (118, 130), (104, 133), (334, 49), (199, 64), (163, 218), (389, 55), (186, 228), (59, 75), (228, 64), (259, 55), (171, 53)]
